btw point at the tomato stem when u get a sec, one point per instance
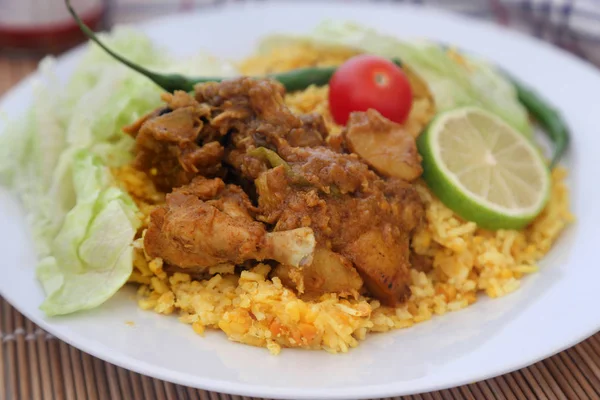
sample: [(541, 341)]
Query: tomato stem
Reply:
[(381, 79)]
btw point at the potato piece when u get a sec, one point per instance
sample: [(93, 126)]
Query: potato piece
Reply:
[(381, 258), (290, 277), (384, 145), (329, 272)]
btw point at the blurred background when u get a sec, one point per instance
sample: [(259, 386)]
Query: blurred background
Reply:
[(33, 28)]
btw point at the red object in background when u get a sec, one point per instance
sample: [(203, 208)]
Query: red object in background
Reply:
[(45, 26)]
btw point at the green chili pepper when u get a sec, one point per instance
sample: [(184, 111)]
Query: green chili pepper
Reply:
[(547, 117), (169, 82), (275, 160), (293, 80), (301, 78), (271, 157)]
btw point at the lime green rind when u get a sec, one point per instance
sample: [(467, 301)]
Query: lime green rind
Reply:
[(463, 204)]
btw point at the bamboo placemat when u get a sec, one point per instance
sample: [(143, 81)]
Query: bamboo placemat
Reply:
[(35, 365)]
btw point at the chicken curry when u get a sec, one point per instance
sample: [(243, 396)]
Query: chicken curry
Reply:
[(249, 181)]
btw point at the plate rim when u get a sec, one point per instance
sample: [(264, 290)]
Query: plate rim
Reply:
[(239, 388)]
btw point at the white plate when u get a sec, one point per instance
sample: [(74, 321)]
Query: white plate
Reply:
[(552, 311)]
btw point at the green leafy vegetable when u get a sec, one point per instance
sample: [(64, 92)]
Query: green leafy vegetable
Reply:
[(57, 158), (37, 151), (451, 83), (91, 256), (549, 118)]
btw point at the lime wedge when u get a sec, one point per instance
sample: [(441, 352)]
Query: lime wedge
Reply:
[(483, 169)]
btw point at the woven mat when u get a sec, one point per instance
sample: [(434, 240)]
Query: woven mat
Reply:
[(35, 365)]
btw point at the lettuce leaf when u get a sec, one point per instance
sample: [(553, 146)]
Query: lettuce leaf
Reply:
[(57, 158), (472, 82), (37, 152), (91, 256)]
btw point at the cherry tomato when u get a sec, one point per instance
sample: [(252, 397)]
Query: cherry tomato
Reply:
[(368, 81)]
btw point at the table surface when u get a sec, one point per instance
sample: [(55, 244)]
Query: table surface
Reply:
[(36, 365)]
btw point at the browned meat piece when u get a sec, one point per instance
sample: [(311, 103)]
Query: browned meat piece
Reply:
[(311, 134), (327, 170), (135, 127), (204, 189), (336, 143), (251, 108), (192, 136), (329, 272), (167, 145), (247, 166), (384, 145), (351, 211), (230, 199), (405, 203), (252, 112), (192, 233)]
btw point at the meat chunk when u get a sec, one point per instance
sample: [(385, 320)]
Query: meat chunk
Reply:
[(351, 211), (253, 114), (327, 170), (190, 232), (251, 110), (230, 199), (168, 145), (312, 133), (194, 135), (384, 145)]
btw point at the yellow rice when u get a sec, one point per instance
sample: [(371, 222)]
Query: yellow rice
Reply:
[(258, 311)]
